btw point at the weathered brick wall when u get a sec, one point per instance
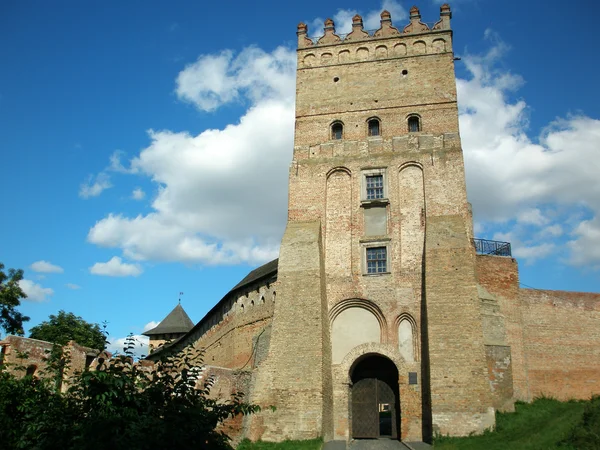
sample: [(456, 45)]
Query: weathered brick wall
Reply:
[(561, 332), (19, 353), (500, 276), (23, 356), (460, 394), (231, 340)]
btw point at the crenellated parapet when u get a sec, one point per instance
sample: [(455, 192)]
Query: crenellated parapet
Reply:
[(386, 29)]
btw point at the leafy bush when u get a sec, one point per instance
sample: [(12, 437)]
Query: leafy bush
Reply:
[(121, 405), (586, 434)]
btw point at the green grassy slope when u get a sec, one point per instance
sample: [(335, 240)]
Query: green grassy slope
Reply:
[(543, 424)]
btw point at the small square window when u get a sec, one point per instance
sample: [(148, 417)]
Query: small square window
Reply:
[(374, 187), (376, 259)]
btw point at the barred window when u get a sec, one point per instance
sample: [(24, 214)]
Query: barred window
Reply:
[(337, 130), (374, 187), (376, 260), (373, 127), (414, 124)]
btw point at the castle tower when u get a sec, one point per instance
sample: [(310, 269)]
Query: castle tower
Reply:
[(377, 328), (176, 324)]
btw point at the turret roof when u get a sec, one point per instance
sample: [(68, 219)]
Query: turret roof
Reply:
[(176, 322)]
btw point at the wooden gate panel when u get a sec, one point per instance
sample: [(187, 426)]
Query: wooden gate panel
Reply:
[(365, 416)]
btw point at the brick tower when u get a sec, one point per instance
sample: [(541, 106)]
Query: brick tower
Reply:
[(377, 319)]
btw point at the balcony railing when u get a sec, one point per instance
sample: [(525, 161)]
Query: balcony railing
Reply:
[(497, 248)]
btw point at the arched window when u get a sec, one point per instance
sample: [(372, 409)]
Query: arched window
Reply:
[(414, 124), (374, 128), (31, 370), (337, 130)]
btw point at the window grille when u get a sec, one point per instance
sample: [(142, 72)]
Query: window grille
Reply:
[(374, 187), (337, 130), (414, 124), (376, 260)]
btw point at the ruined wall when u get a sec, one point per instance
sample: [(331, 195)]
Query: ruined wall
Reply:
[(25, 356), (561, 332)]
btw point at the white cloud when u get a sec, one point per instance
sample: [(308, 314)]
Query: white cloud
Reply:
[(150, 325), (94, 186), (115, 164), (214, 80), (117, 345), (537, 189), (46, 267), (222, 194), (371, 20), (34, 291), (73, 286), (138, 194), (532, 216), (116, 268)]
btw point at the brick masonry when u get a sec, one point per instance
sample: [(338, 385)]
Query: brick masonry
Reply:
[(465, 339)]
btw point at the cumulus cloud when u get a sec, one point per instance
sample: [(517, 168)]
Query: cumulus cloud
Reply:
[(46, 267), (34, 291), (222, 193), (73, 286), (150, 325), (95, 185), (117, 345), (115, 267), (138, 194), (537, 188), (371, 19)]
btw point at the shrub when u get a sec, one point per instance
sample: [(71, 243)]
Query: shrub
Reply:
[(122, 405)]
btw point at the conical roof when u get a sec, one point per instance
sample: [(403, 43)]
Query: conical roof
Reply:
[(176, 322)]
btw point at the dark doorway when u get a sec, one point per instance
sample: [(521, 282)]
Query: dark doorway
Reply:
[(375, 398)]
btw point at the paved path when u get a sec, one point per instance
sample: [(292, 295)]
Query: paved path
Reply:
[(375, 444)]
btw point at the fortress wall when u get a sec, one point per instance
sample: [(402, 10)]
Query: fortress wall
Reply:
[(233, 340), (562, 342), (499, 275)]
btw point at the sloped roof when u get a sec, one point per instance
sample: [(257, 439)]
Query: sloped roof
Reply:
[(265, 273), (176, 322), (257, 273)]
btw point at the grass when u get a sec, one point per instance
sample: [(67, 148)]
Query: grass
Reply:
[(314, 444), (543, 424)]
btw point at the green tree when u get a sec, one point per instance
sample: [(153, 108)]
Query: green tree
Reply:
[(120, 405), (64, 327), (11, 321)]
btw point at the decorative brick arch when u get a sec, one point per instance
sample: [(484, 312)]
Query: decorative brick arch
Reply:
[(360, 303), (359, 352)]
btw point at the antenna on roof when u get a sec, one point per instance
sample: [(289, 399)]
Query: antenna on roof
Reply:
[(180, 294)]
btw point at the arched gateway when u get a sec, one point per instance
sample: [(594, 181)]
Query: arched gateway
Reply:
[(375, 398)]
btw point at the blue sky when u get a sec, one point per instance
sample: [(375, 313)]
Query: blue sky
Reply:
[(144, 145)]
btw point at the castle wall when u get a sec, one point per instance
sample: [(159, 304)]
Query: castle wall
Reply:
[(296, 376), (232, 337), (561, 333)]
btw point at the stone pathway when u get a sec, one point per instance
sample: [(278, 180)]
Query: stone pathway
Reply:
[(375, 444)]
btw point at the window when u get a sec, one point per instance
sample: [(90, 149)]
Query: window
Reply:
[(414, 124), (373, 125), (376, 259), (374, 187), (337, 130)]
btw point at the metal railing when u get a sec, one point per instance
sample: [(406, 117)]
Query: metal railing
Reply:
[(497, 248)]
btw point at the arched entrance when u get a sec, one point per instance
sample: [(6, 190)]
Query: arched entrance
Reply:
[(375, 398)]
